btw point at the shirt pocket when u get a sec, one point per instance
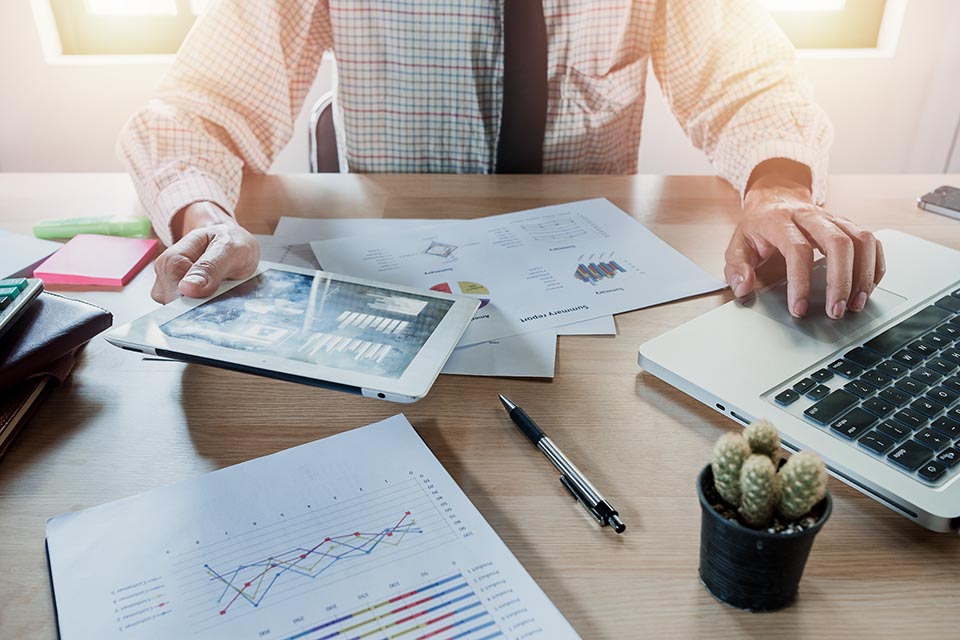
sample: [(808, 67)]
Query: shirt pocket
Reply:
[(608, 93)]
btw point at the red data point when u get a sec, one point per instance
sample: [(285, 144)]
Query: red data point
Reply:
[(408, 513), (389, 534), (303, 556), (326, 539), (356, 533), (246, 585), (223, 612)]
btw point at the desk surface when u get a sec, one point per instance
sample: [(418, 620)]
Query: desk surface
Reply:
[(123, 425)]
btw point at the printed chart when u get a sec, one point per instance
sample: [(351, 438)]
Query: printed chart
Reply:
[(362, 536), (595, 272)]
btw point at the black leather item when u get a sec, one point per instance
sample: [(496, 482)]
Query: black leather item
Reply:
[(524, 114)]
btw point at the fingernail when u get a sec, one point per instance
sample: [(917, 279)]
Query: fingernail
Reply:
[(859, 302), (196, 278), (738, 289), (839, 309), (800, 308)]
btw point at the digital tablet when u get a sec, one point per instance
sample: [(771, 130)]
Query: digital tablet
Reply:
[(379, 340)]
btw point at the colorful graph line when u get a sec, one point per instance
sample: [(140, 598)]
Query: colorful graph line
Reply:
[(322, 556), (452, 593), (596, 271)]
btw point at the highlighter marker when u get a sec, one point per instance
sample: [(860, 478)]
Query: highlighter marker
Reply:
[(125, 226)]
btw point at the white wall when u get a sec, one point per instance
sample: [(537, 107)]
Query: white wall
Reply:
[(891, 115)]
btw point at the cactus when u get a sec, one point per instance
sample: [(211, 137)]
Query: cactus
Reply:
[(728, 456), (759, 490), (804, 480), (762, 437), (745, 475)]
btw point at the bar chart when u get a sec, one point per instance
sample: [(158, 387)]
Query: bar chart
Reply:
[(596, 272)]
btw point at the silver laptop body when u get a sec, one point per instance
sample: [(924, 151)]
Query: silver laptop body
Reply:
[(754, 360)]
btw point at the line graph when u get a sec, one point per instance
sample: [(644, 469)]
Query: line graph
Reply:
[(324, 554)]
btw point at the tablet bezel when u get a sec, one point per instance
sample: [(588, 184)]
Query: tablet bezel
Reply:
[(145, 335)]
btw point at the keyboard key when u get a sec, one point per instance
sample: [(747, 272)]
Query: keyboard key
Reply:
[(951, 355), (949, 303), (941, 366), (926, 376), (948, 331), (921, 348), (936, 340), (954, 414), (910, 455), (955, 321), (892, 369), (942, 395), (875, 378), (787, 397), (854, 423), (894, 430), (913, 327), (946, 426), (895, 396), (932, 471), (9, 292), (911, 386), (846, 369), (859, 389), (911, 419), (17, 283), (832, 407), (933, 439), (819, 392), (878, 407), (924, 406), (907, 358), (804, 385), (952, 383), (863, 357), (823, 375), (877, 442), (950, 457)]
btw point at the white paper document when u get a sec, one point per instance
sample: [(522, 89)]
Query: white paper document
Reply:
[(534, 270), (360, 535), (531, 355)]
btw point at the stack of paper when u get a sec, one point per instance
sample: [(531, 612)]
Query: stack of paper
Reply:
[(561, 270)]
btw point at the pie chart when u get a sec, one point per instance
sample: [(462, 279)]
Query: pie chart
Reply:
[(466, 288)]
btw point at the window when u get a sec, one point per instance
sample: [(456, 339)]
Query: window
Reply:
[(122, 27), (832, 24)]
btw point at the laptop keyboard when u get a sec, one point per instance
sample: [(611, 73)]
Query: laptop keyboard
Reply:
[(896, 397)]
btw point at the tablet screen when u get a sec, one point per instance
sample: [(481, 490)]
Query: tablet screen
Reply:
[(313, 319)]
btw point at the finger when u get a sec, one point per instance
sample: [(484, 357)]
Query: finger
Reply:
[(797, 253), (839, 250), (171, 265), (864, 263), (881, 268), (742, 259), (208, 271)]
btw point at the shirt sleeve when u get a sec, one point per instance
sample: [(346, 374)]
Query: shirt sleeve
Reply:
[(731, 78), (226, 105)]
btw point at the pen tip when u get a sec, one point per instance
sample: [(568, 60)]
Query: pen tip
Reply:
[(509, 406), (617, 524)]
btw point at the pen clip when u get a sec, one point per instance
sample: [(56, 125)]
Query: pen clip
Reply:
[(583, 500)]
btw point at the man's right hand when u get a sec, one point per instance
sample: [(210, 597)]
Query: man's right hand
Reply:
[(212, 246)]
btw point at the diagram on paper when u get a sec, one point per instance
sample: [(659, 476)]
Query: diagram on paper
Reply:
[(473, 289), (441, 249)]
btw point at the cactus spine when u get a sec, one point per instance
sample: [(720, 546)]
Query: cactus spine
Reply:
[(745, 475)]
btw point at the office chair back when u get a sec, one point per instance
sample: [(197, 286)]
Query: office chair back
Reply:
[(324, 156)]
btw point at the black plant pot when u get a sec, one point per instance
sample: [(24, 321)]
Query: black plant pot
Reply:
[(747, 568)]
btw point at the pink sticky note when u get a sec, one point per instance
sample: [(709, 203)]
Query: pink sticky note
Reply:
[(93, 260)]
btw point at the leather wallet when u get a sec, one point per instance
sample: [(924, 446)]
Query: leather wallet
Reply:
[(52, 327)]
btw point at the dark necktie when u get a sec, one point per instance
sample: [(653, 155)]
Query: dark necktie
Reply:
[(524, 116)]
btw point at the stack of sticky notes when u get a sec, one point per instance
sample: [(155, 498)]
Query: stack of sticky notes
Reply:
[(98, 261)]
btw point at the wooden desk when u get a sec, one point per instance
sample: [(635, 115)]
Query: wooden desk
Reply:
[(123, 425)]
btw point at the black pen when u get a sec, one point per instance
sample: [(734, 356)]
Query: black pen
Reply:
[(571, 477)]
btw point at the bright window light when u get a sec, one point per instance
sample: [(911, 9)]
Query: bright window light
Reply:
[(131, 7), (198, 6), (793, 6)]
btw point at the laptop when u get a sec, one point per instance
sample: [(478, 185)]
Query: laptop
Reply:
[(876, 394)]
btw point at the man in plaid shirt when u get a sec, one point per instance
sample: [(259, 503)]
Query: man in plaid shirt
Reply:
[(425, 87)]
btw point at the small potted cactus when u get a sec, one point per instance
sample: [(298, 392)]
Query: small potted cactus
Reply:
[(759, 518)]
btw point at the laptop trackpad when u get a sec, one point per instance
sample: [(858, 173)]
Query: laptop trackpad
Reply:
[(773, 304)]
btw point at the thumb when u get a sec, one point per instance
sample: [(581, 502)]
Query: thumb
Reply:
[(208, 271), (742, 259)]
